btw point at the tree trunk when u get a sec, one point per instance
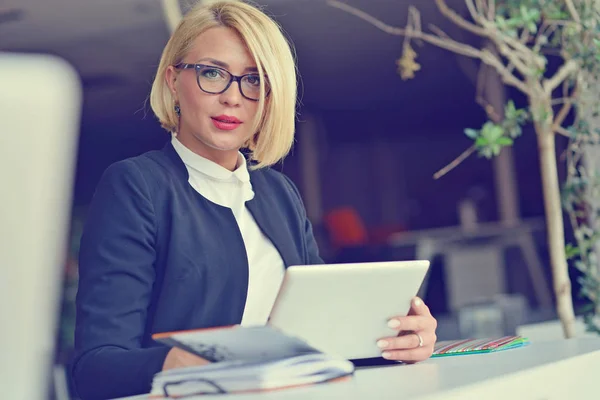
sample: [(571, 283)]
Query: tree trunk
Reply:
[(554, 222)]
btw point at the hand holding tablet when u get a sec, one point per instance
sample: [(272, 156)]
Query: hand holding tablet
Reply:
[(350, 309)]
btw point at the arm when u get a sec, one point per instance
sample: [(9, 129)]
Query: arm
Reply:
[(115, 285), (313, 256)]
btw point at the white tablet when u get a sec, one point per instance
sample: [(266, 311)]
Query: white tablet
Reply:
[(343, 309)]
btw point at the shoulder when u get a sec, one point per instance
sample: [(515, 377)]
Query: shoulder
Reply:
[(274, 179), (148, 171), (278, 184)]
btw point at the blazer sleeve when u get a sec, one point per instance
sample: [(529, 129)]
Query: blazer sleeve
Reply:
[(312, 249), (116, 267)]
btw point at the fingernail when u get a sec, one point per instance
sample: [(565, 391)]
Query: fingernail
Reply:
[(393, 323), (382, 344), (386, 354), (417, 302)]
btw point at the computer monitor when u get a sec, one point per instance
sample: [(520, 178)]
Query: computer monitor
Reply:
[(40, 103)]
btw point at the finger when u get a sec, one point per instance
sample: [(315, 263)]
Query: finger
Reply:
[(411, 355), (418, 307), (412, 323), (406, 342), (190, 359)]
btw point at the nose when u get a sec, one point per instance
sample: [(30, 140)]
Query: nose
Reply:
[(232, 97)]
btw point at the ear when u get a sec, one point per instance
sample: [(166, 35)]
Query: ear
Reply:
[(171, 75)]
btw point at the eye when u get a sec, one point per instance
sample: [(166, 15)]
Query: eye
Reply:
[(253, 80), (212, 73)]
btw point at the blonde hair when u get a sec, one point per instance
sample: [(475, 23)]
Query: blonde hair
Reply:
[(275, 118)]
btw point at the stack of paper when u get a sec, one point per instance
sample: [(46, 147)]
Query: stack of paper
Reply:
[(476, 346)]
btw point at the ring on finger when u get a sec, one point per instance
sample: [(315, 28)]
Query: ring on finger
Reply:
[(420, 339)]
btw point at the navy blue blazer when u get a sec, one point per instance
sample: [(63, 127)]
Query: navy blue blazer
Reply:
[(156, 256)]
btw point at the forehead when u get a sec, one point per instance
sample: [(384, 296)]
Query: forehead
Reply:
[(223, 44)]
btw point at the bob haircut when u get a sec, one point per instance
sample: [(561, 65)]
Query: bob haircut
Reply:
[(275, 118)]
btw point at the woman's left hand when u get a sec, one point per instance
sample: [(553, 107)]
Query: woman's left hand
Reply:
[(416, 335)]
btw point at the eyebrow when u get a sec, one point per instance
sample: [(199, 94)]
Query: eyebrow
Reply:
[(224, 64)]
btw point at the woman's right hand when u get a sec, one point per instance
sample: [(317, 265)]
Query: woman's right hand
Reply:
[(177, 358)]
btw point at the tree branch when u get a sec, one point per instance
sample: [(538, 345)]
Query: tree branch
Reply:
[(565, 109), (455, 163), (562, 131), (481, 7), (449, 44), (435, 29), (562, 100), (458, 20), (573, 11), (525, 35), (563, 73), (491, 10), (512, 55), (546, 27), (505, 74), (473, 11), (392, 30), (489, 31), (512, 48)]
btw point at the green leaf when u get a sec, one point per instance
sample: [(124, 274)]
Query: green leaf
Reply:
[(510, 110), (481, 142), (524, 11), (515, 131), (571, 251), (580, 266), (504, 141), (472, 133), (486, 152), (491, 131), (532, 26)]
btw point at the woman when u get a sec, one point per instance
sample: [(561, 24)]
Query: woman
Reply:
[(193, 235)]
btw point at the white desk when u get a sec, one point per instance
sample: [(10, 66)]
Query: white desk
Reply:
[(550, 370)]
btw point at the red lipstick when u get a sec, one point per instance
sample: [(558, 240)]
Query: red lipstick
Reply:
[(226, 122)]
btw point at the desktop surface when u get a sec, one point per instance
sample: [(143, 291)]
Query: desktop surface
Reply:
[(530, 373)]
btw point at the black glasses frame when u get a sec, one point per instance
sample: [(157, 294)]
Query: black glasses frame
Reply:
[(217, 388), (233, 78)]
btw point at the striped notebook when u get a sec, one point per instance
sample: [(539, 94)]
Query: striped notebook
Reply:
[(478, 346)]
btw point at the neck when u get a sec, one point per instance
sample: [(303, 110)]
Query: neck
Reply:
[(226, 158)]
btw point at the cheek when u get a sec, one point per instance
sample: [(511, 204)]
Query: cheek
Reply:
[(191, 98), (251, 109)]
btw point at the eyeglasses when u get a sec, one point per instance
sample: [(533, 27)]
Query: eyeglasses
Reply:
[(215, 80)]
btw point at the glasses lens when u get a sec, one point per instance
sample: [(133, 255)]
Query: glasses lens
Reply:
[(251, 86), (213, 80)]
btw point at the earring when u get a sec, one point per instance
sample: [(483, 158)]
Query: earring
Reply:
[(177, 110)]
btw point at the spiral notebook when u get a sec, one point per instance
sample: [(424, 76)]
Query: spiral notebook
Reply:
[(478, 346)]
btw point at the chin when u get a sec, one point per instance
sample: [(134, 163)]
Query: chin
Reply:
[(224, 145), (227, 141)]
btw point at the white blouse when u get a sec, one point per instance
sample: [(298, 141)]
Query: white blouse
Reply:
[(232, 189)]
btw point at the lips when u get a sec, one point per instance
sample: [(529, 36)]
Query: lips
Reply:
[(226, 122), (227, 119)]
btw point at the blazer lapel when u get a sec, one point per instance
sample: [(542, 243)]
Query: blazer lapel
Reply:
[(272, 220)]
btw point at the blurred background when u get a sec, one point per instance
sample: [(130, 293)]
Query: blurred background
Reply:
[(368, 144)]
